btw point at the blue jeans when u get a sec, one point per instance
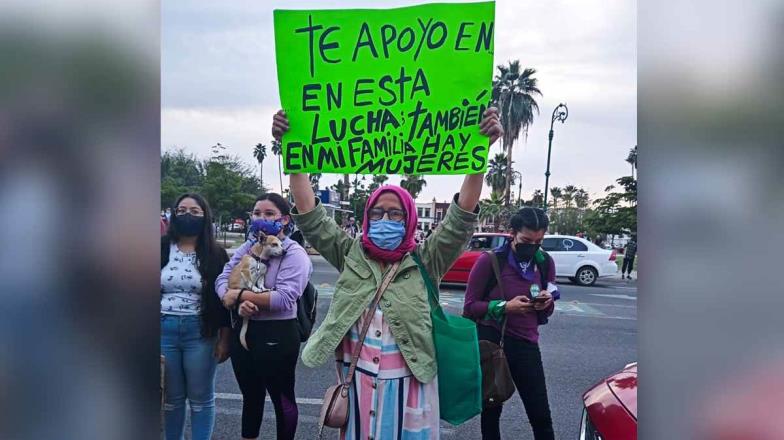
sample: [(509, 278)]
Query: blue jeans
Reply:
[(189, 373)]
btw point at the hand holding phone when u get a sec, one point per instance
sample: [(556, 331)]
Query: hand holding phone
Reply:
[(543, 300)]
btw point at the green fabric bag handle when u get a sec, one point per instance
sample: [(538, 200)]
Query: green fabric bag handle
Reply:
[(432, 292), (457, 351)]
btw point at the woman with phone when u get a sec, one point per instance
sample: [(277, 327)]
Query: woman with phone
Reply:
[(528, 280)]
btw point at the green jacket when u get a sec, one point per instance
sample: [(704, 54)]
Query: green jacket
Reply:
[(404, 303)]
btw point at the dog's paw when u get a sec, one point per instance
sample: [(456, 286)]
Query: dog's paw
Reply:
[(230, 299)]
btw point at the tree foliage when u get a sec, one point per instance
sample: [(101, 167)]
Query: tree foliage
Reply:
[(496, 173), (413, 183), (616, 212), (514, 94), (228, 184)]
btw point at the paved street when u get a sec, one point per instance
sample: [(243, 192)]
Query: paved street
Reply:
[(592, 334)]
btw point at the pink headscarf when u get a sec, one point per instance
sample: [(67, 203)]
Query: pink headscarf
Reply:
[(408, 244)]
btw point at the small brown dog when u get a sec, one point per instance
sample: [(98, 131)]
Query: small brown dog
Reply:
[(250, 272)]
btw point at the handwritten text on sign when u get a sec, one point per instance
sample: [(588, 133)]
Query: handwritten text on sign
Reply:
[(386, 91)]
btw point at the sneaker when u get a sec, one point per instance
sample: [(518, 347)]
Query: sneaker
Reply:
[(622, 275)]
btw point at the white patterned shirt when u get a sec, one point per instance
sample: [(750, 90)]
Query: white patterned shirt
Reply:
[(180, 284)]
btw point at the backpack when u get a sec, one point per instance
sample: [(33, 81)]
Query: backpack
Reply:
[(306, 311), (307, 302), (544, 272)]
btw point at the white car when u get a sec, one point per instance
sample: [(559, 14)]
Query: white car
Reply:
[(579, 260)]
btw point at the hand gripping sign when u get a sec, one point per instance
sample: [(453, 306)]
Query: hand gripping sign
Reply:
[(386, 91)]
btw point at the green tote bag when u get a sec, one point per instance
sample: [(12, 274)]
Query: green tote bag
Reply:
[(457, 355)]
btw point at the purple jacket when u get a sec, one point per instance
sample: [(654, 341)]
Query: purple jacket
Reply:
[(476, 301), (287, 276)]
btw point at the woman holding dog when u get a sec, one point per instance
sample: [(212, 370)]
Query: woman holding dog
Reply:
[(194, 325), (394, 391), (523, 297), (268, 364)]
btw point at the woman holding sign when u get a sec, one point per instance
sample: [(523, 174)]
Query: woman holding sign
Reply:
[(394, 391)]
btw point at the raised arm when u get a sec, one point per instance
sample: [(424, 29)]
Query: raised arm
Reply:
[(299, 183), (317, 227), (472, 183)]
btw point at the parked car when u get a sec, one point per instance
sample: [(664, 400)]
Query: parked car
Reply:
[(579, 260), (237, 226), (610, 408), (575, 258), (480, 242)]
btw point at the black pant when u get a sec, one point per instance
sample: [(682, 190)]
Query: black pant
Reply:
[(269, 366), (628, 263), (525, 364)]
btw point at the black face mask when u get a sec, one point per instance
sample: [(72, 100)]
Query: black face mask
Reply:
[(525, 251), (188, 225)]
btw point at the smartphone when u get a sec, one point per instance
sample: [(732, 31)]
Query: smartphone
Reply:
[(540, 299)]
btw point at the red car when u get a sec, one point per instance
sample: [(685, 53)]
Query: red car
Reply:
[(610, 411), (480, 242)]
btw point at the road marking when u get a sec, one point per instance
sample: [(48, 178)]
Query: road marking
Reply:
[(622, 318), (300, 400), (622, 306), (576, 308), (609, 295), (453, 302)]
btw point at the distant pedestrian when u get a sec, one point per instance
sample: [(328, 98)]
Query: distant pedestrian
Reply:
[(629, 253), (351, 227)]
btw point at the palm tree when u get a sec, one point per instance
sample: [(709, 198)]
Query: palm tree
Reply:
[(513, 94), (277, 150), (490, 209), (581, 199), (631, 159), (413, 184), (496, 173), (537, 199), (569, 192), (378, 181), (556, 193), (260, 152)]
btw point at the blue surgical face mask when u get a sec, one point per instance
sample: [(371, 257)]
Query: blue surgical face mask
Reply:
[(386, 234)]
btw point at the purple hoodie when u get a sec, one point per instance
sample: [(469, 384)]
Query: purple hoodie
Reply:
[(287, 276)]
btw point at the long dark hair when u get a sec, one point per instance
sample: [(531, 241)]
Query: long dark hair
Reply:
[(208, 253)]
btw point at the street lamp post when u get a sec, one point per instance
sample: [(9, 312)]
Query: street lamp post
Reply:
[(560, 113)]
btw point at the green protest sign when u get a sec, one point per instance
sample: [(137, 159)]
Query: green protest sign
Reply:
[(386, 91)]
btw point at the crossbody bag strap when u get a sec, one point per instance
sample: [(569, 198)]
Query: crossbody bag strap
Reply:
[(497, 272), (355, 356)]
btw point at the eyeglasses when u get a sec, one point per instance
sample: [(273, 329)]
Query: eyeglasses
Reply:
[(195, 211), (397, 215)]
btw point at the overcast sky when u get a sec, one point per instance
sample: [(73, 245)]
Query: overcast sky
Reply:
[(219, 83)]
